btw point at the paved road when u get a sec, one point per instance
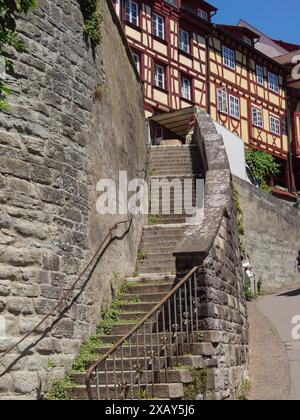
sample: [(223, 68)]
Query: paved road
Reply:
[(275, 364)]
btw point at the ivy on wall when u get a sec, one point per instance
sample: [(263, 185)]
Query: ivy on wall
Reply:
[(262, 165), (9, 37), (92, 11)]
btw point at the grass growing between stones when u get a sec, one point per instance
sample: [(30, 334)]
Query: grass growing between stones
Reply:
[(141, 256), (199, 385), (153, 219), (58, 390), (244, 390), (88, 350)]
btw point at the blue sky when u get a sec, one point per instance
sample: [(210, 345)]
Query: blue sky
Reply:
[(277, 18)]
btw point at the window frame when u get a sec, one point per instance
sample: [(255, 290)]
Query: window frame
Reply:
[(156, 26), (260, 76), (128, 17), (202, 14), (256, 124), (164, 78), (274, 87), (188, 51), (229, 57), (224, 100), (184, 77), (138, 64), (276, 122), (236, 102)]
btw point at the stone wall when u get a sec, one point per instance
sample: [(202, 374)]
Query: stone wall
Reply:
[(76, 116), (214, 247), (272, 239)]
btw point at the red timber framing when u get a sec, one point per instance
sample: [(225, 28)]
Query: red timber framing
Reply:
[(203, 65)]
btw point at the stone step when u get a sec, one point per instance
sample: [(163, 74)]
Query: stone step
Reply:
[(152, 250), (126, 363), (193, 349), (183, 376), (144, 297), (139, 307), (164, 391), (139, 289), (168, 268), (151, 279), (123, 329), (132, 316), (158, 257)]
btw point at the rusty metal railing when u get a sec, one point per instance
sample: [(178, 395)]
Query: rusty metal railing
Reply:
[(143, 357), (66, 293)]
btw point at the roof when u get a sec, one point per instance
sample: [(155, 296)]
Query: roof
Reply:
[(237, 29), (287, 61), (287, 45), (266, 45), (176, 121), (208, 6)]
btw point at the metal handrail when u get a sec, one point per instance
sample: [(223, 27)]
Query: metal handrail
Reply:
[(67, 292), (187, 289)]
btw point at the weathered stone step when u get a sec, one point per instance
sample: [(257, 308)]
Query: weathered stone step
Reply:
[(183, 376), (124, 363), (144, 297), (194, 348), (136, 307), (151, 279), (132, 316), (150, 288), (163, 391), (123, 329)]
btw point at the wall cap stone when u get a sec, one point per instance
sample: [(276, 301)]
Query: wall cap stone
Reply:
[(198, 239)]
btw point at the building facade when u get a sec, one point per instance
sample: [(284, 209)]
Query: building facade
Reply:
[(185, 59)]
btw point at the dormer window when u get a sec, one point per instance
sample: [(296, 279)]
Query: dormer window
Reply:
[(202, 14), (247, 40)]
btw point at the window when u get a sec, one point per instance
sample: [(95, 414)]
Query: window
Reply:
[(202, 14), (137, 60), (186, 91), (260, 75), (159, 76), (158, 26), (228, 57), (184, 41), (273, 82), (234, 107), (274, 125), (247, 40), (132, 12), (257, 117), (222, 101)]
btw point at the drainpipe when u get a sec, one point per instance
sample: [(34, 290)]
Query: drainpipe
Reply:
[(208, 107), (290, 150)]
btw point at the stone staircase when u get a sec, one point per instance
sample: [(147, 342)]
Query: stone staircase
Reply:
[(145, 292), (158, 242)]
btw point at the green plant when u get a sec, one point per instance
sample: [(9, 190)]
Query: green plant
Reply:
[(153, 219), (152, 172), (51, 364), (86, 354), (248, 291), (200, 336), (244, 390), (141, 256), (199, 385), (92, 11), (143, 394), (262, 165), (9, 37), (58, 390)]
